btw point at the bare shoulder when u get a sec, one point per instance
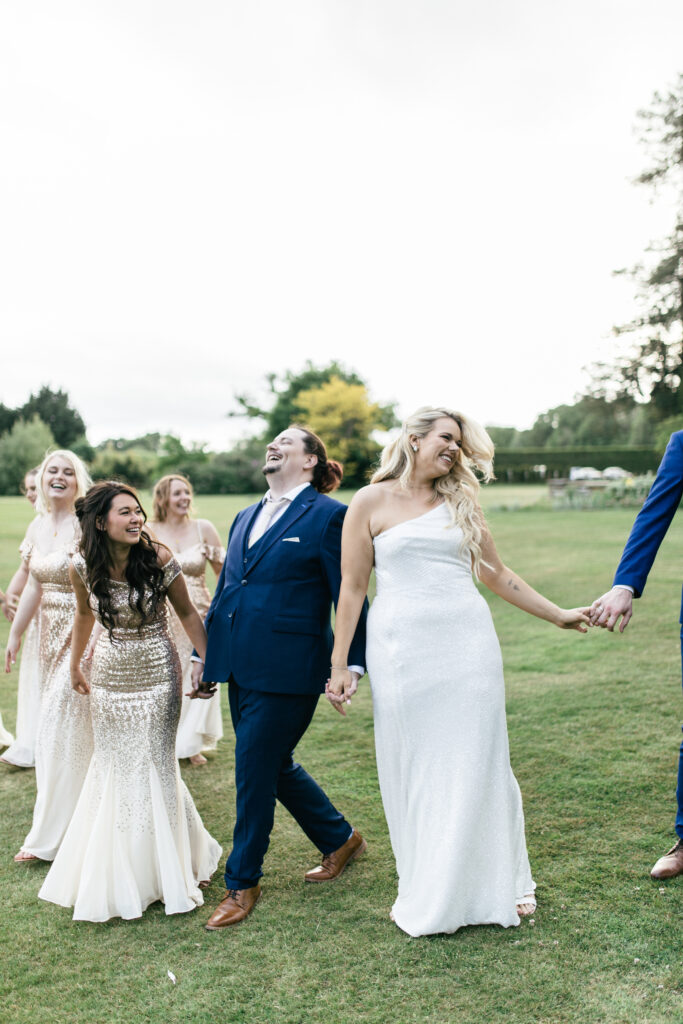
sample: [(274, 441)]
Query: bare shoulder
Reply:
[(209, 532), (368, 499)]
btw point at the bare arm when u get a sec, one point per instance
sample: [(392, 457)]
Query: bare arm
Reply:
[(193, 626), (512, 588), (15, 590), (27, 608), (357, 560), (83, 623), (212, 540)]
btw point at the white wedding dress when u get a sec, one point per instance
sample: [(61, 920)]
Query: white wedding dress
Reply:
[(452, 803)]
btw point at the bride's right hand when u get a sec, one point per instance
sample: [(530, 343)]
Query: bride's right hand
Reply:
[(339, 689)]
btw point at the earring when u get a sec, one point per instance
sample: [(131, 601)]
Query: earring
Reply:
[(414, 447)]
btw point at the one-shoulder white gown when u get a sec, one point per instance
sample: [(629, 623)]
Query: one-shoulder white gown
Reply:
[(452, 803)]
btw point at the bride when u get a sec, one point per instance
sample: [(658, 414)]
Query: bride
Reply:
[(452, 803)]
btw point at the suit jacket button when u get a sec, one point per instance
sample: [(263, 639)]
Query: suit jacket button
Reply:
[(244, 583)]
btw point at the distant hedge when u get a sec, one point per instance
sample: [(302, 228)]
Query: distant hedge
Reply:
[(522, 463)]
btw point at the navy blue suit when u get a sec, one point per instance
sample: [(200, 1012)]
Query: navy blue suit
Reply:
[(270, 638), (647, 534)]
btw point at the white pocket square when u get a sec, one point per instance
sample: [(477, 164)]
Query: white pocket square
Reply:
[(292, 540)]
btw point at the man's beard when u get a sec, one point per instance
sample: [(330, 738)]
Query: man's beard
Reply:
[(271, 469)]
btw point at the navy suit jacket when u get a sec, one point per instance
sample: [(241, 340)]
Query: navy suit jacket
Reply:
[(269, 622), (654, 519)]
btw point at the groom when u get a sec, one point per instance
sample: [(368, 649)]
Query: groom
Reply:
[(269, 636)]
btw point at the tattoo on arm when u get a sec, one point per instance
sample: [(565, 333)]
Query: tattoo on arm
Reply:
[(511, 583)]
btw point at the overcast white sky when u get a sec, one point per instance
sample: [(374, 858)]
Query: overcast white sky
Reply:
[(434, 192)]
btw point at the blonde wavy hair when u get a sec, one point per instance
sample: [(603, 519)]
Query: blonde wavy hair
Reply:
[(162, 494), (459, 488), (83, 480)]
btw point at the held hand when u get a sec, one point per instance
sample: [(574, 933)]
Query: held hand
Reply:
[(196, 675), (9, 608), (607, 610), (204, 691), (575, 618), (88, 653), (340, 688), (78, 682)]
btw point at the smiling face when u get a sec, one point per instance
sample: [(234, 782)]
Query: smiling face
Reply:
[(179, 498), (124, 520), (30, 489), (439, 450), (287, 458), (59, 481)]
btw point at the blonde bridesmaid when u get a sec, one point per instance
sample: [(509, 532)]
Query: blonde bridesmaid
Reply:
[(64, 740), (194, 542)]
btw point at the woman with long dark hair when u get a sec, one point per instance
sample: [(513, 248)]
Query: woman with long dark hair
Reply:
[(135, 836)]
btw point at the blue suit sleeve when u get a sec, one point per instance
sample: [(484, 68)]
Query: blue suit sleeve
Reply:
[(654, 518), (330, 547)]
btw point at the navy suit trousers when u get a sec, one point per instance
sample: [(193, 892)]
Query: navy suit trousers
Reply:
[(268, 727)]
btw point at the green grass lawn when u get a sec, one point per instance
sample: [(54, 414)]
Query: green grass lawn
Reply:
[(594, 730)]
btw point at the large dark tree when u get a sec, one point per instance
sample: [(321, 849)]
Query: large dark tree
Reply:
[(652, 367), (54, 410)]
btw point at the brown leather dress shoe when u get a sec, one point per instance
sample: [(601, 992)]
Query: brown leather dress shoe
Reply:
[(233, 908), (334, 863), (671, 864)]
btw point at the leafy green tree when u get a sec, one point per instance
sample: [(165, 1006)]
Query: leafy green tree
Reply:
[(8, 418), (21, 448), (345, 418), (284, 407), (133, 466), (652, 367), (239, 471), (53, 408)]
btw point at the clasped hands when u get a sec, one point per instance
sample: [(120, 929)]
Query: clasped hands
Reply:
[(200, 689), (616, 604), (340, 688)]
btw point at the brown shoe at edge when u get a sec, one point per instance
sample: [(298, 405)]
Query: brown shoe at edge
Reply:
[(334, 863), (233, 908), (671, 864)]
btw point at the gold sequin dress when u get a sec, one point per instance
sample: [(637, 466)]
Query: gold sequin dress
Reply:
[(136, 836), (201, 721), (22, 751), (64, 741)]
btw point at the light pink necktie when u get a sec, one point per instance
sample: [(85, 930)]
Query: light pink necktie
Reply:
[(265, 518)]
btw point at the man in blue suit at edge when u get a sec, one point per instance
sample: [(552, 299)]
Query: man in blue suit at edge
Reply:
[(270, 638), (647, 534)]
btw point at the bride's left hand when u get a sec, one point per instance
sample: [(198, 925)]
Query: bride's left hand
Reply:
[(341, 687), (574, 618)]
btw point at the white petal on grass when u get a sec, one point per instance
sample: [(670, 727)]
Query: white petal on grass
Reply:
[(172, 976)]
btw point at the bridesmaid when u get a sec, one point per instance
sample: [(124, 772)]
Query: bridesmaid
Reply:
[(194, 542), (5, 737), (135, 836), (64, 738), (21, 753)]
